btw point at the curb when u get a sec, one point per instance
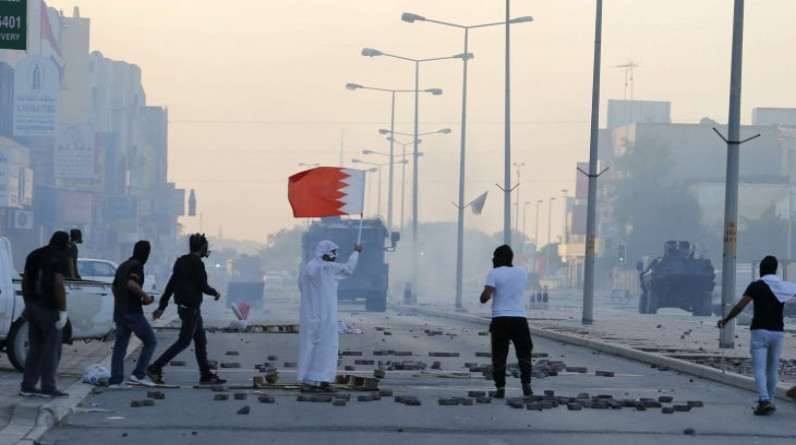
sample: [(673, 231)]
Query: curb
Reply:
[(693, 369), (29, 421)]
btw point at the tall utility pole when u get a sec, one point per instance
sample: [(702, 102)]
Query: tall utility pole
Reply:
[(507, 140), (591, 213), (727, 339)]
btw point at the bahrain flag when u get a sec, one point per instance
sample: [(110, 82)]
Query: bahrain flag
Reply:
[(326, 191)]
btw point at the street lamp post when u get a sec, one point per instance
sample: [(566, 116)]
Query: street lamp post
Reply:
[(377, 165), (517, 214), (549, 229), (564, 234), (536, 227), (403, 163), (355, 86), (403, 176), (370, 52), (411, 18), (524, 226)]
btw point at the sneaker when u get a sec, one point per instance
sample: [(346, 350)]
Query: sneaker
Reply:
[(764, 408), (499, 393), (53, 393), (146, 381), (118, 386), (155, 375), (526, 390), (212, 379), (29, 392)]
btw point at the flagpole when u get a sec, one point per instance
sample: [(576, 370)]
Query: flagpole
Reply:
[(359, 234)]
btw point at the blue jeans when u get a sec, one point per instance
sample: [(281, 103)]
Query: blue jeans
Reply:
[(125, 325), (766, 347)]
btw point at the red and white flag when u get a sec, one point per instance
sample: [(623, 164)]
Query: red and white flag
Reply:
[(327, 191)]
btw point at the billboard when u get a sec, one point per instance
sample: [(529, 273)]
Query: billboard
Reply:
[(13, 24), (36, 93), (75, 152)]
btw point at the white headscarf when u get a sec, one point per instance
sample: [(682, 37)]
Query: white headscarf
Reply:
[(327, 248), (783, 290)]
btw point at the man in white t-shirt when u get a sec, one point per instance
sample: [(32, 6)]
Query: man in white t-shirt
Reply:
[(505, 285)]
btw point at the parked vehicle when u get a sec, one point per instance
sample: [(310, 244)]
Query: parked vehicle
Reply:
[(89, 304), (91, 269), (677, 279)]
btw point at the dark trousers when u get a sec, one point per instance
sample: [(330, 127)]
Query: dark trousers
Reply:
[(44, 348), (125, 325), (515, 330), (192, 329)]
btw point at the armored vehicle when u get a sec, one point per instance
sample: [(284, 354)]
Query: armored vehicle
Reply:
[(370, 280), (677, 279)]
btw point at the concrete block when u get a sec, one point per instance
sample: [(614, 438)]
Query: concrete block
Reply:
[(516, 403), (351, 353), (365, 398), (665, 399), (219, 397), (136, 404), (232, 353), (534, 406), (411, 402), (466, 401), (577, 369), (339, 403), (604, 373), (549, 393), (364, 362), (350, 368), (436, 365), (615, 404), (538, 354), (273, 358), (385, 393), (667, 410), (342, 379), (230, 365), (483, 399), (291, 365), (640, 407), (177, 363), (695, 403), (483, 333), (545, 404), (448, 401), (157, 395), (483, 354), (443, 354), (574, 406), (379, 373), (583, 395), (387, 333), (266, 399), (663, 368), (682, 408), (244, 410), (402, 353), (241, 396), (652, 404), (551, 373), (599, 405), (604, 396), (689, 432), (476, 393)]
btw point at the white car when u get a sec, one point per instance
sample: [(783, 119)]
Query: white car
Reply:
[(103, 271)]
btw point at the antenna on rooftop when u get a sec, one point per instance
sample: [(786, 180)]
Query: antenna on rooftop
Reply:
[(628, 67)]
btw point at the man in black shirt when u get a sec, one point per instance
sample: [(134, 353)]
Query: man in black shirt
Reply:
[(769, 295), (128, 314), (45, 310), (188, 283), (75, 238)]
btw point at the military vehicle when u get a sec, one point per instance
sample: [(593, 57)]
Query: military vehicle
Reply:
[(370, 280), (677, 279)]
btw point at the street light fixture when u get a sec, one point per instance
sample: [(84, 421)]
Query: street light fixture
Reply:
[(356, 86), (370, 52), (411, 18), (536, 228), (302, 164), (549, 220), (403, 173)]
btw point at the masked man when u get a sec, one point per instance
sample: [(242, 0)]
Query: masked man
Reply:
[(318, 315)]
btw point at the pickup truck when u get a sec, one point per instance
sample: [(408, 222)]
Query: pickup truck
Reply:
[(89, 304)]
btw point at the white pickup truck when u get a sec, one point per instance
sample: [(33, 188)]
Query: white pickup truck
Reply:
[(89, 304)]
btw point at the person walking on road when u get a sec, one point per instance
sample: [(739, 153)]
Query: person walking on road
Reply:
[(188, 283), (72, 252), (769, 295), (45, 310), (505, 285), (318, 316), (128, 314)]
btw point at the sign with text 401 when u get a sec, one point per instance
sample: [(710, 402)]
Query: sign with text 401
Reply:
[(13, 24)]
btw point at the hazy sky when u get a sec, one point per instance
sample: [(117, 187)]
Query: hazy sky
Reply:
[(255, 89)]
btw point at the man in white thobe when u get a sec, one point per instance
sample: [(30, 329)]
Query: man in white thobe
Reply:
[(318, 315)]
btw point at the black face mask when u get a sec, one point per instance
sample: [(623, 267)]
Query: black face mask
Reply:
[(330, 259)]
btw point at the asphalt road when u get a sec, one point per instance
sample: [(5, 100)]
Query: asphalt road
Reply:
[(188, 415)]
